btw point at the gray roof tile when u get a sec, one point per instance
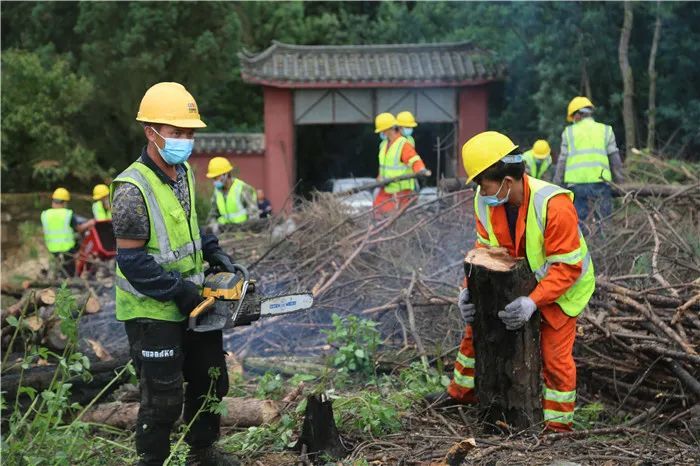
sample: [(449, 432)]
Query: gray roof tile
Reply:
[(287, 65)]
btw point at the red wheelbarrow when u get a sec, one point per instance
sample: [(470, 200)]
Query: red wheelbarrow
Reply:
[(98, 244)]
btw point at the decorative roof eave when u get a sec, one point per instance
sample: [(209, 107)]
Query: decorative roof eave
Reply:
[(364, 84), (376, 65)]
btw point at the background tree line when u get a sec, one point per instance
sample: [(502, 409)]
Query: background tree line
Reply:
[(73, 73)]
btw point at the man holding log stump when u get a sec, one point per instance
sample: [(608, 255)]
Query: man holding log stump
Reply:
[(535, 220)]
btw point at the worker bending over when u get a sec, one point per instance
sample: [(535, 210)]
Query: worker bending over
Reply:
[(160, 254), (407, 122), (234, 200), (538, 160), (60, 225), (397, 157), (101, 209), (537, 220), (588, 159)]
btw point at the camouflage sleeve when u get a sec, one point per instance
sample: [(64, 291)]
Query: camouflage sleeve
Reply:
[(129, 213)]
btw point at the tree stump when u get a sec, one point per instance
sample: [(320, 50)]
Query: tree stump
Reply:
[(507, 369), (319, 434)]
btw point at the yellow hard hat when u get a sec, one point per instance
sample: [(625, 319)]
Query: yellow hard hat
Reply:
[(406, 119), (576, 104), (541, 149), (169, 104), (218, 166), (483, 150), (61, 194), (384, 121), (100, 191)]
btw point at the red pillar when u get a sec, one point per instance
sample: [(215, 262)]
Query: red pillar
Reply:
[(473, 117), (280, 166)]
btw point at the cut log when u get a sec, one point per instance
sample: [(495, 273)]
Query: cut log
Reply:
[(319, 434), (31, 300), (241, 412), (457, 453), (53, 336), (507, 369)]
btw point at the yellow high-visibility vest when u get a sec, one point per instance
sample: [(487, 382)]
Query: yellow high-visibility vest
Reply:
[(575, 299)]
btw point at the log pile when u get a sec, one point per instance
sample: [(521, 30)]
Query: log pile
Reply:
[(34, 312)]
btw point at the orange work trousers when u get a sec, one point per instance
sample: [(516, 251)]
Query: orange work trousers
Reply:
[(558, 373), (386, 203)]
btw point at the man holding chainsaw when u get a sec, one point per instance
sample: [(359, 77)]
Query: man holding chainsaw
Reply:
[(160, 254)]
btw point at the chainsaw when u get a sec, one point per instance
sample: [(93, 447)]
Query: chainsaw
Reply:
[(231, 301)]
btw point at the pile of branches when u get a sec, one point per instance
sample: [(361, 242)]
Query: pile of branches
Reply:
[(402, 270), (639, 341)]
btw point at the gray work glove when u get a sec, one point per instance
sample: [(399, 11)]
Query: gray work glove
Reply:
[(517, 313), (425, 172), (465, 307)]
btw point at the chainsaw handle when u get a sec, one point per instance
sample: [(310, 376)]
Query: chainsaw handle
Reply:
[(201, 307), (242, 270)]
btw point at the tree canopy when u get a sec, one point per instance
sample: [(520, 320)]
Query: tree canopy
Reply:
[(74, 72)]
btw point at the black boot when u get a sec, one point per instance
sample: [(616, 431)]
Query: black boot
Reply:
[(210, 456)]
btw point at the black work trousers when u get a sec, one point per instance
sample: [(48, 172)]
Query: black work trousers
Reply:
[(166, 354)]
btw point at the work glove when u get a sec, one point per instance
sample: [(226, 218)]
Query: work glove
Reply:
[(467, 309), (425, 172), (518, 312), (187, 297), (221, 259)]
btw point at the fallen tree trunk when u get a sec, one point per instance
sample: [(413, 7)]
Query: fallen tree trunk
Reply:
[(507, 369), (40, 377), (240, 412)]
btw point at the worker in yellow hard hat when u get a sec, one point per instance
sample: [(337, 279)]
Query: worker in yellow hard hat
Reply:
[(397, 157), (160, 270), (407, 122), (589, 158), (60, 225), (101, 209), (536, 220), (538, 160), (234, 200)]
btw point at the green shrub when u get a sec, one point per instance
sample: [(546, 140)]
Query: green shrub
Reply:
[(368, 412), (356, 341)]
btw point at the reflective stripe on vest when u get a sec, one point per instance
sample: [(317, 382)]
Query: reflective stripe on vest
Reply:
[(391, 166), (174, 243), (574, 300), (58, 233), (231, 208), (99, 211), (587, 158), (534, 169)]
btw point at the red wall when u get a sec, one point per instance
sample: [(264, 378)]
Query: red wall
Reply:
[(473, 117), (280, 165), (251, 168)]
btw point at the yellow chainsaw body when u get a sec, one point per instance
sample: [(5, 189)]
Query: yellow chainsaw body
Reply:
[(224, 285)]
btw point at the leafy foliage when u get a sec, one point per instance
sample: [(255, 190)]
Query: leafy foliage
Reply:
[(37, 433), (356, 341), (41, 100), (74, 72)]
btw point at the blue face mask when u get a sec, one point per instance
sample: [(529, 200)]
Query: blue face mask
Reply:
[(382, 136), (493, 201), (219, 184), (175, 151), (407, 131)]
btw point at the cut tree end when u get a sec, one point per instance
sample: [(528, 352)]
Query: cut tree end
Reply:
[(495, 259)]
